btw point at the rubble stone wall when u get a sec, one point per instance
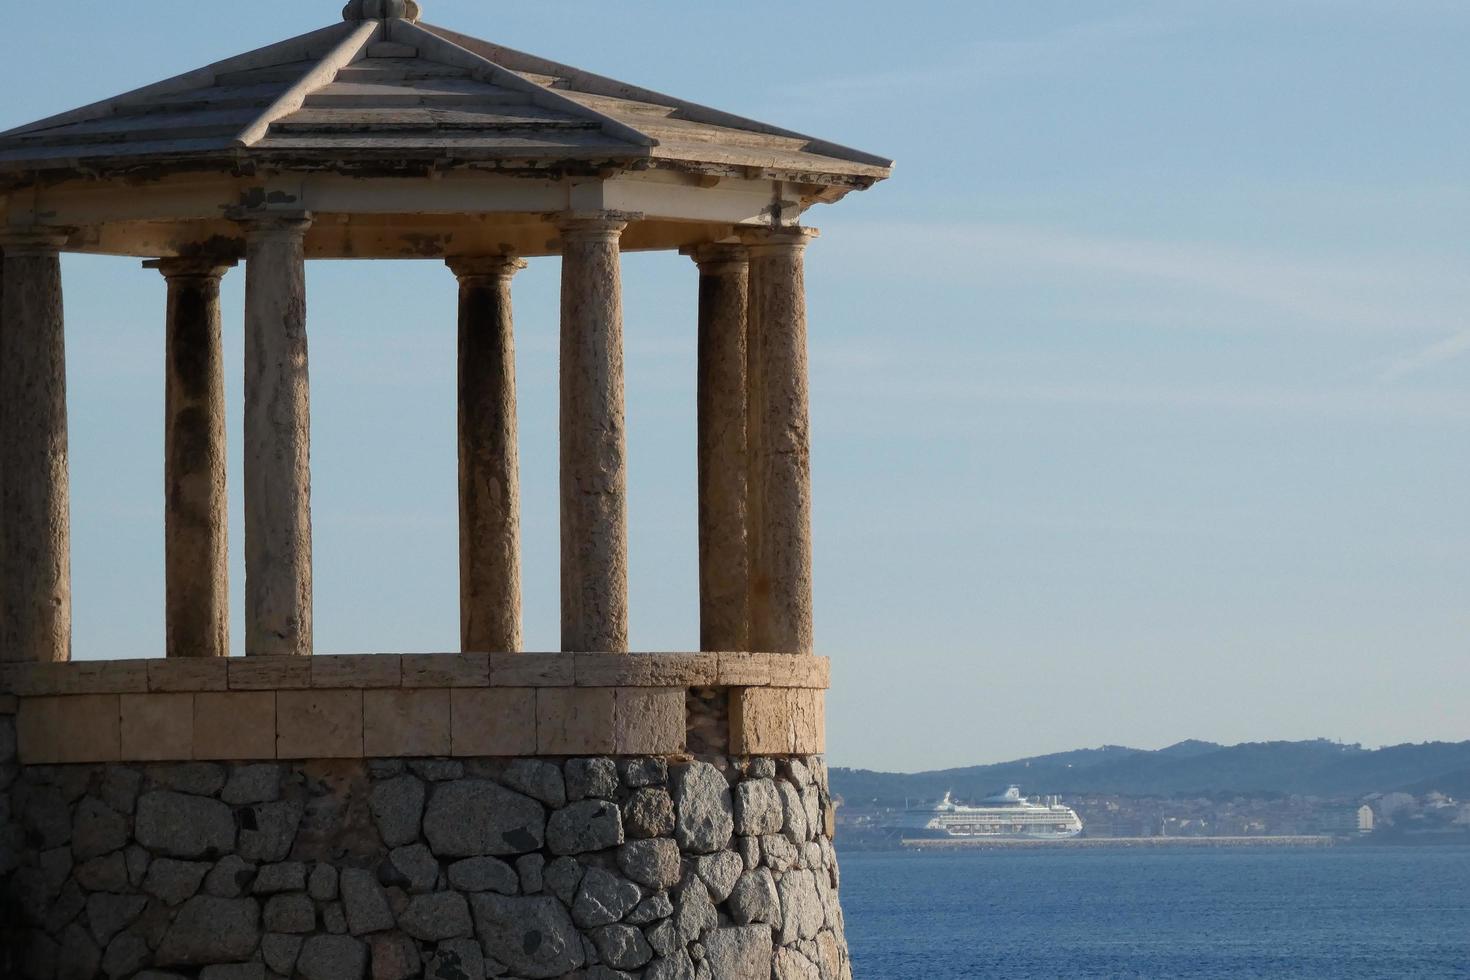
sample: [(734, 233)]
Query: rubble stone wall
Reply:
[(713, 867)]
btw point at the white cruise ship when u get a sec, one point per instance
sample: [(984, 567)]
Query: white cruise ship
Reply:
[(1005, 815)]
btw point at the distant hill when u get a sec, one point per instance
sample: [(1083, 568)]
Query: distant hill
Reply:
[(1314, 768)]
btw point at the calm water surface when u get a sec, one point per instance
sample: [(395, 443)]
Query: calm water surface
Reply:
[(1343, 912)]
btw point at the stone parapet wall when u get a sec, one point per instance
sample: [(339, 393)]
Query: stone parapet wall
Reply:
[(605, 867), (422, 706)]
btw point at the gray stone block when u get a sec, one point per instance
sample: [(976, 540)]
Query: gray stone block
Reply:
[(588, 825), (98, 829), (604, 898), (718, 872), (704, 815), (537, 779), (649, 813), (259, 783), (175, 881), (291, 914), (754, 899), (474, 817), (365, 902), (534, 937), (267, 830), (184, 826), (654, 863), (484, 874), (758, 808), (740, 953), (332, 958), (433, 918), (288, 876), (211, 930), (597, 777), (398, 809)]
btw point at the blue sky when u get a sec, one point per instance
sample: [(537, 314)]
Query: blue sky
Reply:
[(1139, 394)]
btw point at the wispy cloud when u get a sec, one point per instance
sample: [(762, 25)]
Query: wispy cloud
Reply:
[(1441, 352), (1378, 293)]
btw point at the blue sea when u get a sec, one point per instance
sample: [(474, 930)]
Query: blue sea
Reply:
[(1341, 912)]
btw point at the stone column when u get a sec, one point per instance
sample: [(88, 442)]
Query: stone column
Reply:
[(594, 506), (780, 489), (489, 482), (724, 273), (35, 548), (277, 440), (196, 520)]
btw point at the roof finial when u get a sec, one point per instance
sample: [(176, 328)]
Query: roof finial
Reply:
[(381, 10)]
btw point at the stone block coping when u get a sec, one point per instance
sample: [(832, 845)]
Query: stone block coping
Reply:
[(409, 705)]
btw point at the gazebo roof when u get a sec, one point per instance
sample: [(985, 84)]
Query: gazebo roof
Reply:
[(378, 95)]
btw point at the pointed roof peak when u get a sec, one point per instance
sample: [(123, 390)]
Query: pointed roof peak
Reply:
[(408, 10)]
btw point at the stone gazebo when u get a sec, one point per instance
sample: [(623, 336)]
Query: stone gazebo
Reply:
[(591, 813)]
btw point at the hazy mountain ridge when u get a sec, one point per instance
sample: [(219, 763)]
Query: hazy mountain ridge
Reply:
[(1314, 768)]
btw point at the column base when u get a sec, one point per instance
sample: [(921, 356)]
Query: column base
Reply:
[(601, 867)]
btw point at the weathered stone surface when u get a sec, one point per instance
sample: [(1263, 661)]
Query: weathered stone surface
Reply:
[(802, 914), (718, 872), (332, 958), (622, 947), (750, 851), (791, 965), (755, 899), (395, 957), (120, 788), (794, 823), (539, 780), (288, 876), (322, 885), (184, 826), (483, 874), (677, 966), (413, 868), (231, 877), (473, 817), (195, 778), (739, 953), (253, 784), (457, 959), (533, 937), (125, 955), (268, 830), (398, 809), (103, 874), (648, 813), (98, 829), (777, 853), (437, 770), (211, 930), (137, 859), (531, 868), (292, 914), (694, 913), (233, 971), (47, 819), (334, 919), (596, 777), (432, 918), (78, 957), (641, 772), (365, 902), (110, 914), (279, 952), (655, 863), (664, 938), (175, 881), (563, 876), (651, 909), (758, 808), (588, 825), (603, 898), (704, 813)]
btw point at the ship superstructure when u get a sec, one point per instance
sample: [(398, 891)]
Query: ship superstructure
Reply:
[(1007, 814)]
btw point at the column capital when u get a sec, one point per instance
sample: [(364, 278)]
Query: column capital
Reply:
[(192, 267), (713, 255), (34, 240), (594, 226), (261, 225), (468, 268), (769, 239)]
